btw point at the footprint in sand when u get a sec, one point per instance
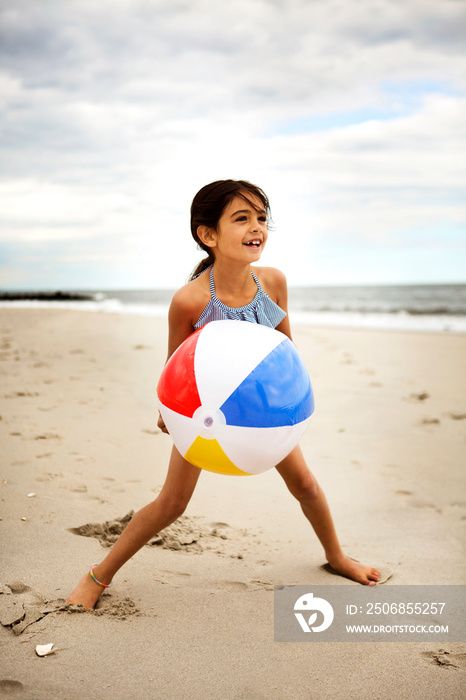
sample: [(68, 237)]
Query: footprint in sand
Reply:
[(418, 504), (234, 585), (424, 504), (48, 436), (9, 687), (182, 574), (445, 659), (262, 585), (79, 488), (421, 396), (172, 578), (457, 416), (85, 458), (47, 476)]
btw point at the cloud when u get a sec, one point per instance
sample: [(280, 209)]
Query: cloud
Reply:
[(350, 115)]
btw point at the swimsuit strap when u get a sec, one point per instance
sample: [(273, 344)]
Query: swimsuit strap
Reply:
[(256, 281), (212, 285)]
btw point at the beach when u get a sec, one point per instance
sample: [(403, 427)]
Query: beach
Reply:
[(191, 615)]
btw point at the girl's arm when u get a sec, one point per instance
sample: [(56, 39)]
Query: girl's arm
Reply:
[(274, 283), (187, 305), (179, 322), (180, 326)]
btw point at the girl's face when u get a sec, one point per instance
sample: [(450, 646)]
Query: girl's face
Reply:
[(241, 232)]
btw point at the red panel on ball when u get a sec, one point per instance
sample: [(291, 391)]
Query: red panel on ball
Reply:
[(177, 388)]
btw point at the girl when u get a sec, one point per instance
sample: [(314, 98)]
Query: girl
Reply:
[(229, 222)]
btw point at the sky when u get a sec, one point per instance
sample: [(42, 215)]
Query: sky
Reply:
[(350, 114)]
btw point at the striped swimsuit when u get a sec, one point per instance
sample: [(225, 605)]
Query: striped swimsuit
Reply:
[(260, 310)]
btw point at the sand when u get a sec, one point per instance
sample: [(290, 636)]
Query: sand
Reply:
[(191, 615)]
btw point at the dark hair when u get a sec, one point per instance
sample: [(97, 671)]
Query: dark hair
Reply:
[(209, 204)]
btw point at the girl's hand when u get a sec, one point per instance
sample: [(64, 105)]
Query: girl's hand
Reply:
[(161, 424)]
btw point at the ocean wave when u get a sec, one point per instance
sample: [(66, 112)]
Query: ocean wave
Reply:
[(431, 308), (411, 311), (400, 321)]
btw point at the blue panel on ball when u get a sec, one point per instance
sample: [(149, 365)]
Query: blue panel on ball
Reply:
[(276, 393)]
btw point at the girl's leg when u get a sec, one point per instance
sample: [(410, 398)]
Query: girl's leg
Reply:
[(303, 485), (171, 502)]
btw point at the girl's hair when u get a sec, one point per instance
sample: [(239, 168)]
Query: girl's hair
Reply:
[(210, 203)]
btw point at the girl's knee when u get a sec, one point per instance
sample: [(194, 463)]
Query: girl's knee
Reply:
[(173, 507), (298, 477), (305, 489)]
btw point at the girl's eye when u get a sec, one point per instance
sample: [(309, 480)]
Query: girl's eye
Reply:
[(243, 217)]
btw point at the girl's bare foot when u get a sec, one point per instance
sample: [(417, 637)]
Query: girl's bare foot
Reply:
[(86, 593), (356, 571)]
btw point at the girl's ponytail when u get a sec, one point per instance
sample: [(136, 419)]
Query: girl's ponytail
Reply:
[(203, 265)]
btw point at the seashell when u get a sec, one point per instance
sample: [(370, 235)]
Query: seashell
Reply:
[(44, 649)]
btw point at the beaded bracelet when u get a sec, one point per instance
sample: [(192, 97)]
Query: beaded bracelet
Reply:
[(104, 585)]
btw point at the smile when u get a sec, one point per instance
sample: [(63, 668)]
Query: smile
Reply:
[(254, 244)]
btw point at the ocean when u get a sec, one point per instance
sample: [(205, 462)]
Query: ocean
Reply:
[(429, 307)]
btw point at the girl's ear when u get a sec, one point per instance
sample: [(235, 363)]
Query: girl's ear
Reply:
[(207, 235)]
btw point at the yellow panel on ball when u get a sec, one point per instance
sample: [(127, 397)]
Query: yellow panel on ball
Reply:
[(207, 454)]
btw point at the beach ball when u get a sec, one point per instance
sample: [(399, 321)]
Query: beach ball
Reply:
[(235, 397)]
